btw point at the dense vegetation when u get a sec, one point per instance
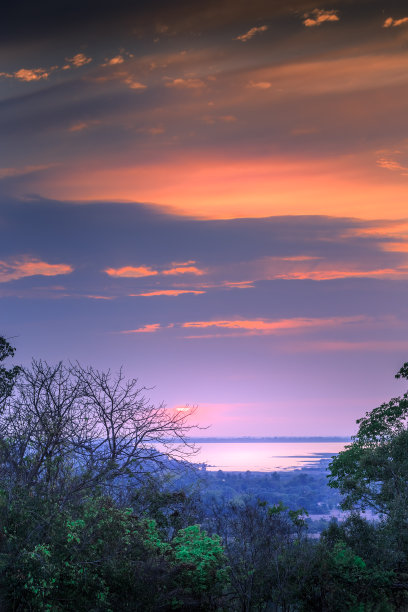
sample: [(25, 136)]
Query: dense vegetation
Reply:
[(96, 516)]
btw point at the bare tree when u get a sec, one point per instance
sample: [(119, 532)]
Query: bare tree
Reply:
[(69, 429)]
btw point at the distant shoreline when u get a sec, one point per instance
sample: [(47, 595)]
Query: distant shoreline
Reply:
[(275, 439)]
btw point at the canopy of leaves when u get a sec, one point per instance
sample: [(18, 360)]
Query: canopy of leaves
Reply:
[(373, 470)]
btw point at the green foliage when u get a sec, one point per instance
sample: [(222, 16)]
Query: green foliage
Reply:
[(373, 470), (79, 532), (94, 555), (205, 556)]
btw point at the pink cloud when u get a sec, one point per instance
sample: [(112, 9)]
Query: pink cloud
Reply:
[(183, 270), (169, 292), (320, 275), (131, 272), (30, 267), (140, 271), (268, 326)]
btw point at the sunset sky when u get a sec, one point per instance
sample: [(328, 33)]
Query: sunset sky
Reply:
[(213, 195)]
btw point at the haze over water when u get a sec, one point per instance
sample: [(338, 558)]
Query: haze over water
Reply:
[(264, 456)]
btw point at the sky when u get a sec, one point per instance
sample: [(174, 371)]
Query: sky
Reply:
[(212, 195)]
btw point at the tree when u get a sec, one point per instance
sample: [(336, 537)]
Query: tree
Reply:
[(7, 377), (203, 563), (67, 430), (264, 546), (372, 471)]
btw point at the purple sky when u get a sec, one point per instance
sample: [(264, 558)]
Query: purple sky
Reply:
[(213, 195)]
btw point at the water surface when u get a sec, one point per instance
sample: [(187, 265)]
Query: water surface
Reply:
[(264, 456)]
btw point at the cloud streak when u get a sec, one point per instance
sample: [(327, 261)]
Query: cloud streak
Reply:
[(40, 74), (146, 329), (167, 292), (14, 270), (227, 328), (251, 33), (268, 326)]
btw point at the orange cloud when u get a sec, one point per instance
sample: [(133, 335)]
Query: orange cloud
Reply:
[(30, 267), (83, 125), (319, 16), (394, 23), (140, 271), (260, 85), (132, 84), (397, 247), (332, 74), (146, 329), (188, 83), (170, 292), (32, 74), (305, 267), (79, 60), (114, 61), (220, 187), (384, 228), (251, 33), (131, 272), (78, 127), (390, 164)]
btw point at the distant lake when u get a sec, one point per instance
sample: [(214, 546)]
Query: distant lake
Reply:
[(264, 456)]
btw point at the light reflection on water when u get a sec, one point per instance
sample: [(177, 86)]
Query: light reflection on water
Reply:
[(264, 456)]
